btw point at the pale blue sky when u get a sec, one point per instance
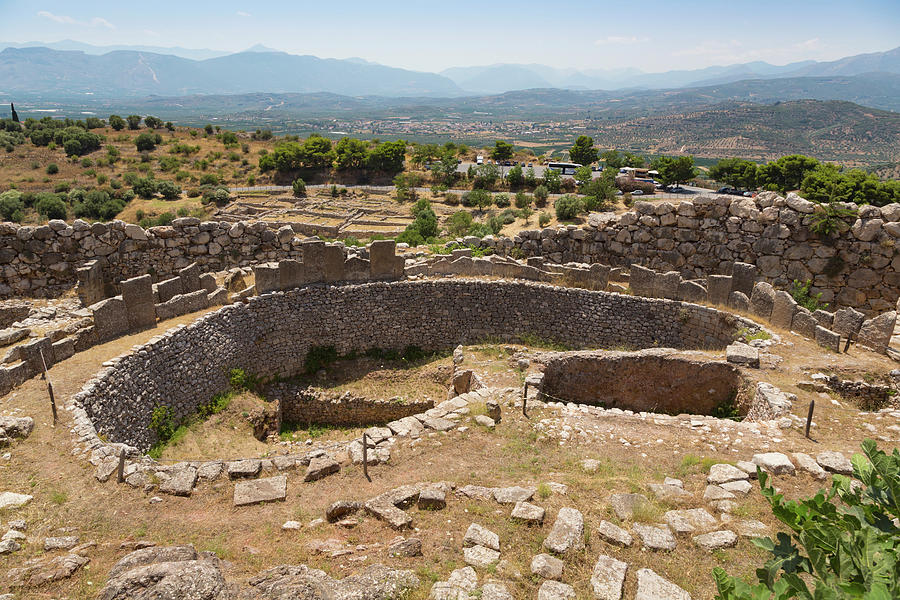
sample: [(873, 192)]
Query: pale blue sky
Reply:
[(652, 35)]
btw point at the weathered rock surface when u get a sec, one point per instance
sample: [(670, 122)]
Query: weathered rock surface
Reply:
[(481, 557), (716, 540), (686, 522), (651, 586), (300, 582), (624, 505), (654, 538), (614, 534), (774, 462), (608, 578), (554, 590), (546, 566), (255, 491), (528, 513), (835, 462), (567, 533), (476, 535)]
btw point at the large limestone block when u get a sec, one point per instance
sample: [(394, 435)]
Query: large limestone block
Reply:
[(110, 318), (743, 278), (876, 333), (137, 293), (783, 310), (762, 300)]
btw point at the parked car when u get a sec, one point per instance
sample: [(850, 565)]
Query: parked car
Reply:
[(637, 193)]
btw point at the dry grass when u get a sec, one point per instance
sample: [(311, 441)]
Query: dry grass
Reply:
[(66, 495)]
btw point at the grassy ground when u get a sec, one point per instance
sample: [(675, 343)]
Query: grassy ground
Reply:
[(66, 495)]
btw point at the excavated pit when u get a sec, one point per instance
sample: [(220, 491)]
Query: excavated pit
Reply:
[(655, 380)]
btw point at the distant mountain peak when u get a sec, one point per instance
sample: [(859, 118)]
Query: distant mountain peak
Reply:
[(260, 48)]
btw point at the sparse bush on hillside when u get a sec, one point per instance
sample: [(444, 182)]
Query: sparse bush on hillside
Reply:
[(540, 196), (568, 207), (50, 206), (11, 206)]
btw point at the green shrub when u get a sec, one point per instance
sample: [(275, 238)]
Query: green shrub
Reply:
[(835, 550), (299, 187), (51, 207), (240, 380), (568, 207), (169, 190), (501, 200), (540, 196), (52, 169), (544, 219), (828, 220), (162, 423), (811, 302), (11, 206)]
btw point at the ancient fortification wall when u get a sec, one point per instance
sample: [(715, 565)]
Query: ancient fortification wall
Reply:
[(706, 235), (272, 333), (698, 237)]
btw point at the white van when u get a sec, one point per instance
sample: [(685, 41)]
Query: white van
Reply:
[(479, 160)]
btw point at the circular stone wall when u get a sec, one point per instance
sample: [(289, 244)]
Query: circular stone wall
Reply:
[(271, 335), (658, 380)]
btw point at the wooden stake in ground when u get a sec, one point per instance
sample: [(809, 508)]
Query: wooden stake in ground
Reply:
[(366, 456), (812, 406), (120, 471), (49, 387)]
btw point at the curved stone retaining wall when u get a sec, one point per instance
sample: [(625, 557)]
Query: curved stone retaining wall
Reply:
[(271, 335)]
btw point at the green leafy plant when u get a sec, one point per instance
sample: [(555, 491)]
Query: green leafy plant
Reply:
[(239, 380), (828, 219), (836, 550), (800, 292), (162, 422)]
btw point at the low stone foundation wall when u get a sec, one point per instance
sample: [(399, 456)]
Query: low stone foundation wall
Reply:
[(271, 335), (308, 405), (656, 380)]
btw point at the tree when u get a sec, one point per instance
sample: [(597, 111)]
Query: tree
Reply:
[(145, 187), (11, 206), (350, 154), (540, 196), (15, 115), (736, 172), (828, 183), (786, 173), (478, 198), (169, 190), (146, 142), (208, 129), (388, 157), (583, 151), (634, 160), (674, 170), (552, 180), (134, 121), (459, 223), (299, 187), (502, 150), (515, 177), (316, 152), (486, 176), (583, 175), (116, 122), (613, 159), (444, 171), (153, 122)]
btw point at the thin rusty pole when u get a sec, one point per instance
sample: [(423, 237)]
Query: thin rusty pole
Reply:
[(365, 443), (120, 470), (812, 406), (49, 387)]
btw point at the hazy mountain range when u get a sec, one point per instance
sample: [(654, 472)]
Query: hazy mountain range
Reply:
[(72, 69)]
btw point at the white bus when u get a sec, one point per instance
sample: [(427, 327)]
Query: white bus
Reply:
[(564, 168)]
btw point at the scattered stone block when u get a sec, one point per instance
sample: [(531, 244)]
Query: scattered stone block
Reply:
[(737, 487), (750, 528), (723, 473), (714, 493), (655, 538), (476, 535), (651, 586), (686, 522), (716, 540), (60, 543), (546, 566), (672, 494), (340, 509), (481, 557), (208, 282), (876, 332), (741, 354), (249, 467), (835, 462), (824, 318), (614, 534), (739, 301), (567, 533), (511, 495), (10, 500), (847, 322), (807, 463), (528, 513), (409, 547), (267, 489), (804, 323), (320, 467), (608, 578), (181, 483), (554, 590), (432, 498), (774, 462)]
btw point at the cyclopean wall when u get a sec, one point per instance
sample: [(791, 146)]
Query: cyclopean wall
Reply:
[(698, 237), (271, 335), (706, 235)]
